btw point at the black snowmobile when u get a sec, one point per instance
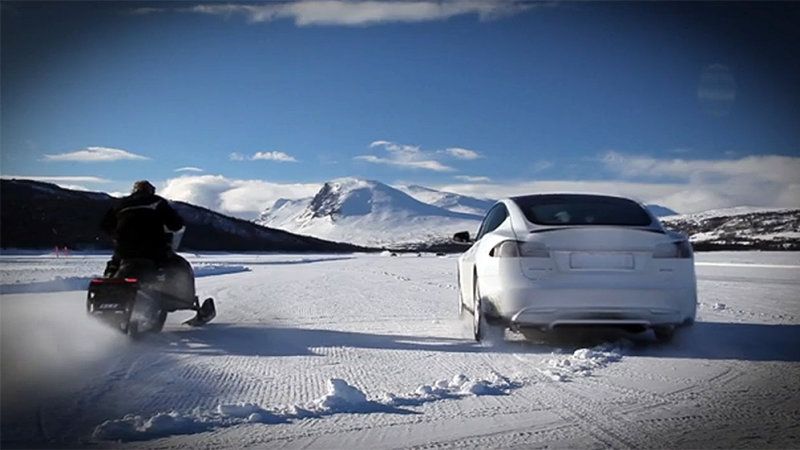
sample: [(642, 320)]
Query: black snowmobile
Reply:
[(136, 297)]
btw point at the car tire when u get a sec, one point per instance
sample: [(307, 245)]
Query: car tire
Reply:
[(533, 334), (460, 297), (478, 321), (664, 333)]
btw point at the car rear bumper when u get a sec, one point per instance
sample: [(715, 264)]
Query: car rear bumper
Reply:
[(549, 308), (548, 318)]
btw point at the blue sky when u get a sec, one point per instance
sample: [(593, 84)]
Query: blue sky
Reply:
[(694, 106)]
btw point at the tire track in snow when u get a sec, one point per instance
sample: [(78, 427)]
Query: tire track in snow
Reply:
[(721, 407), (586, 413)]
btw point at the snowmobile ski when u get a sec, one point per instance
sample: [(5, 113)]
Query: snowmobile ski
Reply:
[(206, 313)]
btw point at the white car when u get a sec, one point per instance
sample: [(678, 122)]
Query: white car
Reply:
[(540, 262)]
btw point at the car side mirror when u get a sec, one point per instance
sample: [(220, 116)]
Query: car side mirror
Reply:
[(462, 236)]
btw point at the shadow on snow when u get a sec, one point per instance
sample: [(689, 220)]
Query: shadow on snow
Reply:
[(251, 340), (705, 340), (728, 340)]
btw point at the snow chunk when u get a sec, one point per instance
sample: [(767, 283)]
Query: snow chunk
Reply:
[(459, 386), (341, 396), (458, 380), (719, 306), (131, 427), (480, 387), (555, 376), (138, 428), (582, 362), (238, 410)]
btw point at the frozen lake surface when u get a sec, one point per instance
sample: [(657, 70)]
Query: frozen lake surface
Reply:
[(367, 351)]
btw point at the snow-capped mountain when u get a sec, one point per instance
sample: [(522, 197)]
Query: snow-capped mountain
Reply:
[(38, 215), (739, 228), (448, 200), (367, 212)]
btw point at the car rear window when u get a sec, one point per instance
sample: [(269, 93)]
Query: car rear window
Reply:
[(576, 209)]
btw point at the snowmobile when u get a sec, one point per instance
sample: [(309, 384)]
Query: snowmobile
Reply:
[(136, 297)]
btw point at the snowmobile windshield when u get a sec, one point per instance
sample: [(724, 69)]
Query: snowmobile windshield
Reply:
[(582, 209)]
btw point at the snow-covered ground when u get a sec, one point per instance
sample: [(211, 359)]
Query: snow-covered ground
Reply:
[(366, 351)]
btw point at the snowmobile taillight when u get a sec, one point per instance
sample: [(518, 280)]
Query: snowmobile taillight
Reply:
[(113, 281)]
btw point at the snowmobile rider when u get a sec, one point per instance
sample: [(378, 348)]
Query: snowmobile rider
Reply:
[(139, 223)]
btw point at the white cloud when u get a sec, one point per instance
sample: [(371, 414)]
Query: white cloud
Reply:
[(189, 169), (427, 165), (462, 153), (264, 156), (772, 168), (473, 179), (406, 156), (500, 190), (374, 144), (146, 10), (542, 166), (95, 154), (241, 198), (274, 156), (355, 13), (203, 190), (683, 185)]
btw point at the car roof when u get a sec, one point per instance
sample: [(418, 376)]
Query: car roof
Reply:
[(570, 194)]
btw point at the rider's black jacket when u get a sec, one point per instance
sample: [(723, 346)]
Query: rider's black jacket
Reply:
[(137, 224)]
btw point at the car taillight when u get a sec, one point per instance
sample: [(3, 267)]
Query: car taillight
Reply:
[(533, 250), (516, 249), (680, 250)]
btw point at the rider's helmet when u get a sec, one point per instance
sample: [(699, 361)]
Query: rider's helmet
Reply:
[(143, 186)]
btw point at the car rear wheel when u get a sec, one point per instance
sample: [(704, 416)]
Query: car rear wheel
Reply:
[(460, 297), (478, 321), (664, 333), (533, 334)]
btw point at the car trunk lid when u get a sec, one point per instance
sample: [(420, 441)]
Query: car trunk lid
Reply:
[(590, 249)]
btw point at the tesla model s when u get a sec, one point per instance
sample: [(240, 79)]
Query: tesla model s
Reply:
[(547, 261)]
